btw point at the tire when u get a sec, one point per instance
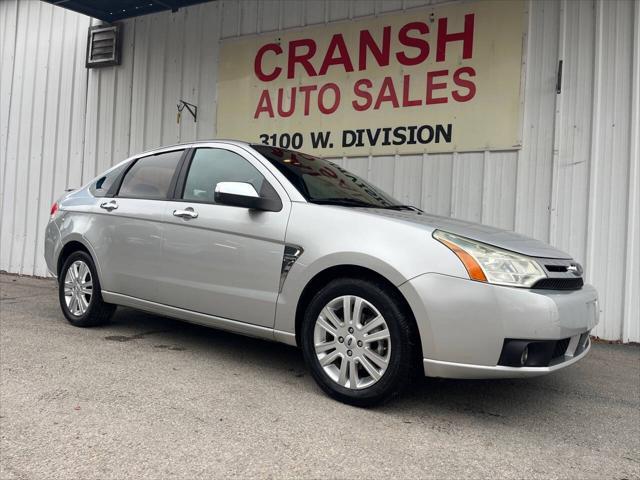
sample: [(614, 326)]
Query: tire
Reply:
[(82, 303), (399, 350)]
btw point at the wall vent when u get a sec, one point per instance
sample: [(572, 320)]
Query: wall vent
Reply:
[(103, 46)]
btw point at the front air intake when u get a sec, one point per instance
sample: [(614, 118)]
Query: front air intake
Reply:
[(559, 284)]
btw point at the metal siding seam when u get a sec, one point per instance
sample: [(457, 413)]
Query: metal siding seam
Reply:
[(620, 183), (106, 115), (92, 126), (266, 21), (163, 89), (201, 70), (114, 116), (229, 8), (132, 54), (364, 8), (84, 108), (91, 122), (485, 178), (33, 267), (314, 12), (181, 92), (69, 124), (4, 145), (397, 181), (208, 120), (422, 180), (454, 185), (531, 217), (303, 15), (139, 85), (176, 68), (11, 52), (631, 308), (259, 10), (595, 142), (190, 68), (557, 125)]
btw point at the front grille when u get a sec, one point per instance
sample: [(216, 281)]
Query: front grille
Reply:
[(560, 348), (559, 284), (556, 268)]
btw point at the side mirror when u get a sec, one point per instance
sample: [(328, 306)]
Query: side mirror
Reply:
[(241, 194)]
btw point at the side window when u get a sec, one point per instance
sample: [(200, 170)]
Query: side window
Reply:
[(150, 177), (211, 166), (101, 186)]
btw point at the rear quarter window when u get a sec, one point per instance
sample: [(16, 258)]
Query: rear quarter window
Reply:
[(100, 187)]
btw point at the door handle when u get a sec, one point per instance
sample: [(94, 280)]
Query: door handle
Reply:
[(111, 205), (186, 213)]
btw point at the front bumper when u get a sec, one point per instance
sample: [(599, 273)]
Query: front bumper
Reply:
[(437, 368), (463, 324)]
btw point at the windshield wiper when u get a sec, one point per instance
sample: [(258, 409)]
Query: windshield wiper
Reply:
[(402, 207), (347, 202), (353, 202)]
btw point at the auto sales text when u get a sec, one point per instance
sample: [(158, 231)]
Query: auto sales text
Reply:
[(416, 45)]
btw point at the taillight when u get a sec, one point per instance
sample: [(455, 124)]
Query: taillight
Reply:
[(54, 208)]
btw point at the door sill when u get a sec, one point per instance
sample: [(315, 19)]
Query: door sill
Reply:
[(199, 318)]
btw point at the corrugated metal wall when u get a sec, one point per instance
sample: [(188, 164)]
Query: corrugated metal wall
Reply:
[(575, 182)]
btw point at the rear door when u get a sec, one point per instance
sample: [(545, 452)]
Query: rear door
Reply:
[(227, 261), (127, 235)]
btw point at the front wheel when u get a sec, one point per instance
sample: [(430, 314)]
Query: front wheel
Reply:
[(79, 292), (358, 341)]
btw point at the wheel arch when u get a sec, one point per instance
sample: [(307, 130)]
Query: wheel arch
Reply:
[(73, 245), (349, 271)]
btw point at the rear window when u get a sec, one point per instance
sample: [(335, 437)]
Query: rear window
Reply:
[(150, 177)]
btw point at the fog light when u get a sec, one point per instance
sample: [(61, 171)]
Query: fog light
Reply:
[(524, 356)]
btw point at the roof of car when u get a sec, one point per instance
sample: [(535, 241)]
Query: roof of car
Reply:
[(229, 141)]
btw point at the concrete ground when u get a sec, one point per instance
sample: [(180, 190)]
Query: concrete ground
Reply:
[(150, 397)]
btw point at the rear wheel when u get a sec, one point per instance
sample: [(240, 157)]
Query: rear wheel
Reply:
[(79, 292), (358, 341)]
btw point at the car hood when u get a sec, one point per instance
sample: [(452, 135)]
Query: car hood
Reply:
[(497, 237)]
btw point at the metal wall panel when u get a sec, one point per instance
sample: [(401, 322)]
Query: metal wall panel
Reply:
[(43, 92), (610, 160), (534, 170), (575, 182)]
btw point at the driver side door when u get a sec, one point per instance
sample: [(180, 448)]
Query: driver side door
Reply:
[(224, 260)]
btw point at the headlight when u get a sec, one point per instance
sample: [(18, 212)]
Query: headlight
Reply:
[(490, 264)]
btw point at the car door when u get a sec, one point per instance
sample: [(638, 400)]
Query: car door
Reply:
[(227, 261), (127, 230)]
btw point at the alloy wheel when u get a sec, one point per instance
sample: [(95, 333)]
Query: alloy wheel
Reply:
[(352, 342), (78, 288)]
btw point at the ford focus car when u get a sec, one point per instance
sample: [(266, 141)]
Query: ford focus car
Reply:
[(285, 246)]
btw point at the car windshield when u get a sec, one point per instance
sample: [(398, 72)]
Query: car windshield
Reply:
[(321, 181)]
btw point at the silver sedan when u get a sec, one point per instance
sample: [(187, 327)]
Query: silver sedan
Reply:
[(289, 247)]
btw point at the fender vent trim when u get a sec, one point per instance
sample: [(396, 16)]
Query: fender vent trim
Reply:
[(291, 254)]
